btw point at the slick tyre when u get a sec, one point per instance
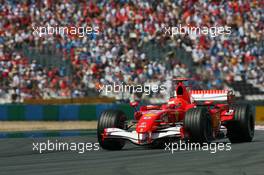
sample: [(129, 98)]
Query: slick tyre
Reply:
[(197, 125), (111, 119), (242, 128)]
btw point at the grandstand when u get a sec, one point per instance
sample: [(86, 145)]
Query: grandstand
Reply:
[(130, 48)]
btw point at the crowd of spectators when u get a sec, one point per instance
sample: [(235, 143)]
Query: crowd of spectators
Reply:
[(115, 54)]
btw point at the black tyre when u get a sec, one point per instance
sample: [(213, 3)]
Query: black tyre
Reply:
[(111, 119), (197, 125), (242, 128)]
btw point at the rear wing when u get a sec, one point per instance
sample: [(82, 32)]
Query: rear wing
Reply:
[(212, 95)]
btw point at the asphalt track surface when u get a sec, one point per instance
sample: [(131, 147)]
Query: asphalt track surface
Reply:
[(18, 158)]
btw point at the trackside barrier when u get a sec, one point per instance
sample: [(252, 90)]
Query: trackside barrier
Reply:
[(71, 112), (87, 100), (22, 112)]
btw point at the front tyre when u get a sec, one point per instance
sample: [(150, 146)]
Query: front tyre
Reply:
[(111, 119), (242, 128), (197, 125)]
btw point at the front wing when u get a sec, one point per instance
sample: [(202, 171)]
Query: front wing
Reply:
[(141, 138)]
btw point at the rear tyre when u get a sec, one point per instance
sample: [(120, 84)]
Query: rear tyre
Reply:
[(197, 125), (111, 119), (242, 128)]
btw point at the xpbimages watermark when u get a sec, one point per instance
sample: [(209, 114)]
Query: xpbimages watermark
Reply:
[(80, 147), (186, 146), (119, 88), (43, 31), (213, 31)]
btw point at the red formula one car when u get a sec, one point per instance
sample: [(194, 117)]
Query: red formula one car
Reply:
[(194, 115)]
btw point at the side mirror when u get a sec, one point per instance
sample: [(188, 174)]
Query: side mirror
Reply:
[(133, 104)]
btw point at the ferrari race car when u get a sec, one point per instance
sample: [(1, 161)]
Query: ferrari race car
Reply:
[(192, 115)]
